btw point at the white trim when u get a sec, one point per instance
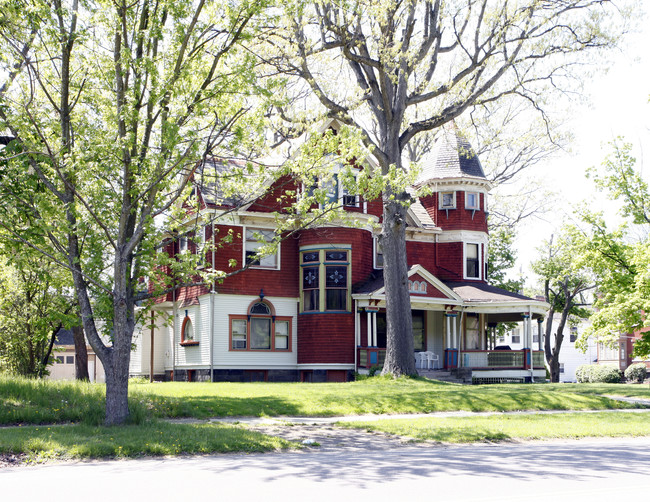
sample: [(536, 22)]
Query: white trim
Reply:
[(448, 184), (464, 236)]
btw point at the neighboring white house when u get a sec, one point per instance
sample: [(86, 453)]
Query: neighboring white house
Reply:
[(570, 356), (63, 355)]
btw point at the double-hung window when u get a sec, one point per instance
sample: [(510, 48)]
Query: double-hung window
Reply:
[(325, 280), (472, 268), (256, 240)]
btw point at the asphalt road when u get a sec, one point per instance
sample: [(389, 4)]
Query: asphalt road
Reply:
[(589, 470)]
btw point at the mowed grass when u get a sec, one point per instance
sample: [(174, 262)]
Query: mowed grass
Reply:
[(371, 396), (24, 401), (156, 438), (513, 427)]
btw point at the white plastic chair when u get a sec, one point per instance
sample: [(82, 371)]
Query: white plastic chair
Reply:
[(422, 359), (432, 360)]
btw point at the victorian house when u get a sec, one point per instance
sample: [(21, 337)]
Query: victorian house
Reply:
[(315, 309)]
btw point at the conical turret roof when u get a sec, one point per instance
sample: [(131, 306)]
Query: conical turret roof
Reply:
[(452, 156)]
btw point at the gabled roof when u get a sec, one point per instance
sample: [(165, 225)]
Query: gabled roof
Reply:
[(375, 285), (452, 156)]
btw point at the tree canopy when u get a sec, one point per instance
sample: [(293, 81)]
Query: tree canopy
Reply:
[(111, 106), (620, 258)]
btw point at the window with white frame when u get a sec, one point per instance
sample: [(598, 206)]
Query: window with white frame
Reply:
[(447, 200), (256, 240), (573, 334), (472, 261), (472, 200), (260, 330)]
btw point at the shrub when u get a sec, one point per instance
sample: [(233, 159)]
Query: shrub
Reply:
[(636, 372), (594, 373), (583, 373), (606, 374)]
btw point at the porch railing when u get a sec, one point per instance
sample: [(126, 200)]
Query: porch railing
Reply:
[(503, 359), (370, 356)]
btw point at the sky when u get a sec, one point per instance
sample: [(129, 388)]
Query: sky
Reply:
[(619, 106)]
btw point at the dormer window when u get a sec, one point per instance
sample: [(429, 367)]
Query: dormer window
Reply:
[(335, 191), (447, 200), (472, 200)]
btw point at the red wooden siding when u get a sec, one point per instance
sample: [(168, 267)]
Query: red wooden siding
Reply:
[(459, 218), (326, 338)]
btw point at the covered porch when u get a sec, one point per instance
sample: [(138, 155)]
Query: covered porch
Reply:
[(456, 325)]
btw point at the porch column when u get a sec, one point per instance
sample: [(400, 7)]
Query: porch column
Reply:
[(448, 341), (539, 333), (374, 329), (369, 327), (526, 341), (456, 345)]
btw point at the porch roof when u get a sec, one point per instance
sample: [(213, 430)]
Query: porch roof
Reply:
[(498, 304)]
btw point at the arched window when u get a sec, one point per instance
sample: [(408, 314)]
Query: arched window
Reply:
[(260, 329), (187, 332)]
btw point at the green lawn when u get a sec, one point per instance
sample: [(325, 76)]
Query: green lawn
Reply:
[(35, 402), (513, 427), (39, 443)]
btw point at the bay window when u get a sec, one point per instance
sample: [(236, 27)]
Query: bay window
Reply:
[(325, 280)]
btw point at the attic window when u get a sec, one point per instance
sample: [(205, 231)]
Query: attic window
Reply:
[(447, 200)]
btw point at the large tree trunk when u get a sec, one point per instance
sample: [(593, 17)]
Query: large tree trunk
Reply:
[(399, 333), (81, 354)]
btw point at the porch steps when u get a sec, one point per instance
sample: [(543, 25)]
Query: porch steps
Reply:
[(445, 376)]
